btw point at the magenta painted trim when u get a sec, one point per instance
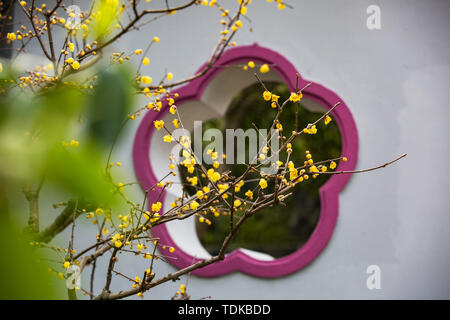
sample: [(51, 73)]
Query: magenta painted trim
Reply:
[(238, 260)]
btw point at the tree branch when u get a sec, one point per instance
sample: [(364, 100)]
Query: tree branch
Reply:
[(66, 217)]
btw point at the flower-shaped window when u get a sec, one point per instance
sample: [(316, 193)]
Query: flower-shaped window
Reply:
[(210, 97), (276, 231)]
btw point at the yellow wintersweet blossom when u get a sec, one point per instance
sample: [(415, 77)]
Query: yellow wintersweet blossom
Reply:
[(279, 126), (170, 76), (156, 206), (215, 177), (295, 97), (264, 68), (194, 181), (251, 64), (194, 205), (289, 147), (176, 123), (155, 217), (173, 109), (146, 80), (199, 194), (293, 173), (267, 95), (116, 237), (311, 130), (327, 120), (145, 61), (249, 194), (168, 138), (159, 124), (156, 39), (11, 36), (238, 186), (76, 65), (332, 165), (263, 183)]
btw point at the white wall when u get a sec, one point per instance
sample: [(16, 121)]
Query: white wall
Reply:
[(394, 81)]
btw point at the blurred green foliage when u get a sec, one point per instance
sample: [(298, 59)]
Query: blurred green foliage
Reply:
[(24, 271), (109, 105), (278, 230), (61, 136), (37, 129)]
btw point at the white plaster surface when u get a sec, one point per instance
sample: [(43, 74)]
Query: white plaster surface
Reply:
[(395, 82)]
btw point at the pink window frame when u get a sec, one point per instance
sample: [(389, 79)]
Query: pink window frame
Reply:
[(238, 260)]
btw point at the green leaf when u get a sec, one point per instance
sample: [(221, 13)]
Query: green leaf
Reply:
[(110, 104)]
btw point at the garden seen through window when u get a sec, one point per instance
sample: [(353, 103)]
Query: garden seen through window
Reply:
[(276, 231)]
